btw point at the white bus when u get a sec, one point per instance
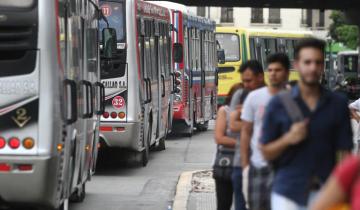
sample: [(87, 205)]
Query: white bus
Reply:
[(51, 99), (138, 82)]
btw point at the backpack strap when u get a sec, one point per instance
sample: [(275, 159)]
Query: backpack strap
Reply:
[(292, 108)]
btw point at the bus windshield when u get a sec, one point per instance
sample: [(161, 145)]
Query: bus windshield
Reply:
[(350, 63), (115, 13), (231, 44)]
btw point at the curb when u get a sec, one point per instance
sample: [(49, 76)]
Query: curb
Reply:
[(183, 189)]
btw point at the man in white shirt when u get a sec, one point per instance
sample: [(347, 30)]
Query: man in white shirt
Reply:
[(252, 118), (354, 110)]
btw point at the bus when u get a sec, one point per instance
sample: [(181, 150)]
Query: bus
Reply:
[(138, 81), (51, 100), (241, 44), (194, 64)]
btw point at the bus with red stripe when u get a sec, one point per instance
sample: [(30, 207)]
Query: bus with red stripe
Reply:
[(138, 81), (195, 70)]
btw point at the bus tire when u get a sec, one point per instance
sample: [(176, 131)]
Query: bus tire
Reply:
[(161, 145), (202, 126), (79, 195), (145, 153)]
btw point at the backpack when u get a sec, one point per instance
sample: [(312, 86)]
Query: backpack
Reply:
[(292, 108), (294, 112)]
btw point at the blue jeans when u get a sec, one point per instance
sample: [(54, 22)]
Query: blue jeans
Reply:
[(238, 191)]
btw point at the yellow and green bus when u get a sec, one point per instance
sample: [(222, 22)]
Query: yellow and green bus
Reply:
[(241, 44)]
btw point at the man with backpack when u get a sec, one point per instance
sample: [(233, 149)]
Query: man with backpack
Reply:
[(251, 123), (303, 131)]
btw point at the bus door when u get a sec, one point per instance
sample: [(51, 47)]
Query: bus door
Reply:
[(152, 74), (198, 76), (162, 78), (203, 73), (159, 43), (114, 74)]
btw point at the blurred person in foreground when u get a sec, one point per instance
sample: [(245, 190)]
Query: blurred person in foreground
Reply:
[(303, 152), (225, 140), (342, 190), (260, 174), (355, 110), (252, 75)]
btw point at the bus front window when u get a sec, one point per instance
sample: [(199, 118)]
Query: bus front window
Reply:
[(115, 14), (231, 44)]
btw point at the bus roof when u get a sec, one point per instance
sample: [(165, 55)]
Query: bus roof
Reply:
[(264, 32), (349, 52), (172, 5)]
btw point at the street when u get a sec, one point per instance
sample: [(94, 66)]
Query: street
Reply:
[(152, 187)]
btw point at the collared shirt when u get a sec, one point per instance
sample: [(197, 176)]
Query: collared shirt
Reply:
[(329, 131)]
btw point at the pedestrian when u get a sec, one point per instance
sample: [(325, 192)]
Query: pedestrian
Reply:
[(354, 110), (304, 132), (342, 189), (252, 118), (253, 77), (225, 140)]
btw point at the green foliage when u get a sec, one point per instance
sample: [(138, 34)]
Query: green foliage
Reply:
[(340, 31)]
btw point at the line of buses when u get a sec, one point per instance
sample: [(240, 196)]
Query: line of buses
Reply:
[(110, 73)]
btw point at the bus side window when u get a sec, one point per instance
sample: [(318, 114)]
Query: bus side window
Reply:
[(154, 52), (186, 45), (252, 49), (244, 47), (272, 45), (261, 48), (147, 54)]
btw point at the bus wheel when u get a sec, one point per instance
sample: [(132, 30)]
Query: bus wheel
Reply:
[(146, 151), (79, 194), (202, 126), (64, 205), (161, 145)]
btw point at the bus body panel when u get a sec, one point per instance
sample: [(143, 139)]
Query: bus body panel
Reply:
[(252, 44), (140, 82), (48, 174)]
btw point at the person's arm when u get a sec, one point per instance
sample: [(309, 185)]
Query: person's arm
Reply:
[(235, 122), (354, 114), (275, 148), (220, 130), (344, 135), (246, 133), (331, 195)]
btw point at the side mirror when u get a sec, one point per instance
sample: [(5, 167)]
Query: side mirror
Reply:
[(221, 56), (109, 42), (178, 52)]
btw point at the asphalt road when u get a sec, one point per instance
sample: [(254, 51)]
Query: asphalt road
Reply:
[(119, 187)]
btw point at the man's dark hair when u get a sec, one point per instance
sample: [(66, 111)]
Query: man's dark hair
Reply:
[(309, 43), (253, 65), (281, 58)]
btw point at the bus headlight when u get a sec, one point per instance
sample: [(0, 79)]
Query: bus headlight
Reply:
[(177, 74), (178, 90), (177, 97)]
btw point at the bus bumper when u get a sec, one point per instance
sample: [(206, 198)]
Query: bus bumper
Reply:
[(37, 186), (122, 135)]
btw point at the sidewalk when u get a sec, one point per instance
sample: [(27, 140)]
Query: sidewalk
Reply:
[(195, 191)]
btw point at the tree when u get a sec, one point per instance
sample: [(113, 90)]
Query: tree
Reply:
[(342, 32)]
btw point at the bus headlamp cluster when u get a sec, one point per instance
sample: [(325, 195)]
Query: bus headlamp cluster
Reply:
[(15, 143), (177, 97)]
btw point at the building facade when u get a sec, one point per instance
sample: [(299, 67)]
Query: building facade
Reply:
[(283, 19)]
